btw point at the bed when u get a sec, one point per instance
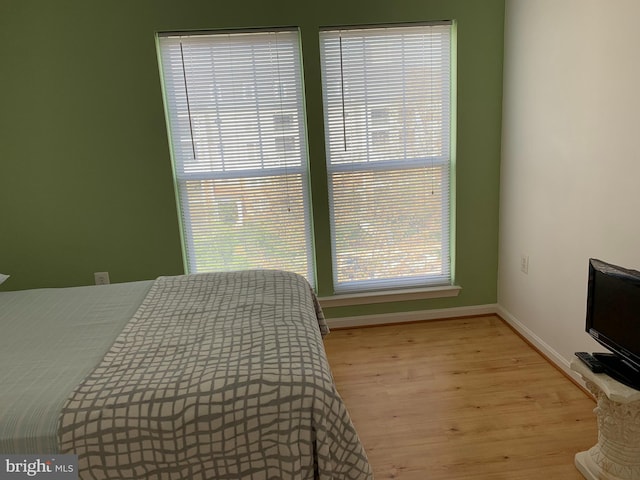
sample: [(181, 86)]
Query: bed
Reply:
[(206, 376)]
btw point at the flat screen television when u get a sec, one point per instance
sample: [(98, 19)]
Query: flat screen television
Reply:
[(613, 319)]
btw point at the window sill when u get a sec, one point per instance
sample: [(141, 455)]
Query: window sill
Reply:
[(385, 296)]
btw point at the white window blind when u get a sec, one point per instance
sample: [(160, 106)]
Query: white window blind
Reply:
[(387, 126), (234, 103)]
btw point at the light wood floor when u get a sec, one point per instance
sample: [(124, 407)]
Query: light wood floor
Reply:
[(459, 399)]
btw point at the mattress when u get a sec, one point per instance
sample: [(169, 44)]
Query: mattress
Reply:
[(199, 377), (51, 339)]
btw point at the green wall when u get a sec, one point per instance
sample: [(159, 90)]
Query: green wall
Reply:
[(85, 175)]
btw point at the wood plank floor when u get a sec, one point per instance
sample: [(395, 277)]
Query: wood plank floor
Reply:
[(459, 399)]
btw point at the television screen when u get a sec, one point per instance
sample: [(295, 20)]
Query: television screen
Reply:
[(613, 310)]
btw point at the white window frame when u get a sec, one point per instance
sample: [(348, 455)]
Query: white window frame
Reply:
[(338, 136), (286, 159)]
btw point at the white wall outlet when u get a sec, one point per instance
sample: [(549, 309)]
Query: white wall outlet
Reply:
[(102, 278), (524, 263)]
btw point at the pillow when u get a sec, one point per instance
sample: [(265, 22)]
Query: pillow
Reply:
[(3, 277)]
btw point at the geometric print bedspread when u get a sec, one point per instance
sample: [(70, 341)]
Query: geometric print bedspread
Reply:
[(216, 376)]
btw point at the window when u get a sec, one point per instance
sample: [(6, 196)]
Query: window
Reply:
[(236, 122), (235, 111), (387, 126)]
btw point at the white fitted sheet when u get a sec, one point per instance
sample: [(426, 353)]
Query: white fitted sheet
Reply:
[(50, 339)]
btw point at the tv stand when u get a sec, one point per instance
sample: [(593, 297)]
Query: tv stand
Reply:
[(616, 456), (617, 368)]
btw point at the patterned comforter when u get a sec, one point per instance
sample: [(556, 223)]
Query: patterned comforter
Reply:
[(216, 376)]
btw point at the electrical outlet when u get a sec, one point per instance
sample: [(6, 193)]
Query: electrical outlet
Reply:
[(524, 263), (102, 278)]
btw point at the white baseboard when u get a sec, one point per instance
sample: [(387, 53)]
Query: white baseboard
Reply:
[(402, 317), (543, 347)]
